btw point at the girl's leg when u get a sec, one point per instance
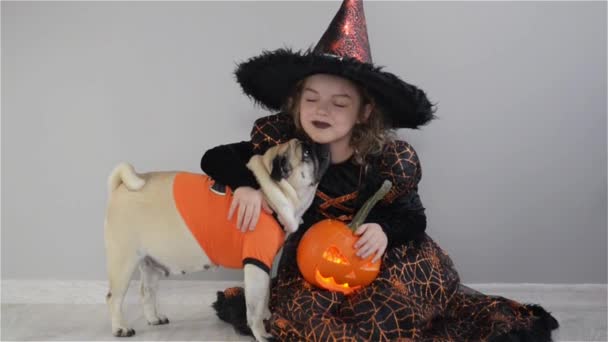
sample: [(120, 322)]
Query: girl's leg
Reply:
[(415, 285)]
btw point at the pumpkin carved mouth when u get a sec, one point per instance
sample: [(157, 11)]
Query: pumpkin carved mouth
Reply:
[(332, 255), (329, 283)]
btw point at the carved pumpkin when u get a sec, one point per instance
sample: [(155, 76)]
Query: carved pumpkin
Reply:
[(326, 255)]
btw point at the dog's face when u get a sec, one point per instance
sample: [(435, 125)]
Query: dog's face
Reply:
[(289, 174), (300, 163)]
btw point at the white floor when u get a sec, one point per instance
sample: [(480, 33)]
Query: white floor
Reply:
[(70, 311)]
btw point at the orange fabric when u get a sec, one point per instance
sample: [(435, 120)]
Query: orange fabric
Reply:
[(205, 213)]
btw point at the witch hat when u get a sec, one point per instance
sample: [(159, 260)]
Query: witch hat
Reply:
[(343, 50)]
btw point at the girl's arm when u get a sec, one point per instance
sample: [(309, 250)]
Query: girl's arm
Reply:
[(227, 163), (401, 213), (271, 130), (402, 221)]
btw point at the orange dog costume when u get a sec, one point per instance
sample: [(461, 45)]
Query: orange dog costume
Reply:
[(205, 212)]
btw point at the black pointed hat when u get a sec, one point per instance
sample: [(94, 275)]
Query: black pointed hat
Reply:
[(343, 50)]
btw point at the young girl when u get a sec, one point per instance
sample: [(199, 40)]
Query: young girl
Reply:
[(334, 95)]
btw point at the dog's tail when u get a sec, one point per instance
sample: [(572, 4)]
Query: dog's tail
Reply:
[(124, 173)]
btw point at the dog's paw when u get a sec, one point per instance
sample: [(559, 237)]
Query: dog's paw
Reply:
[(267, 337), (292, 229), (260, 333), (160, 320), (123, 332), (289, 224)]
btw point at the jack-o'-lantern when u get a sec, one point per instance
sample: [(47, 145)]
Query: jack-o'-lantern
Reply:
[(327, 257)]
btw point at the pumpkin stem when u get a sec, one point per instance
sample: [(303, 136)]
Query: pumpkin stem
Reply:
[(368, 205)]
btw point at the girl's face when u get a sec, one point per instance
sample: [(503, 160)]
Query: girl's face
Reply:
[(329, 108)]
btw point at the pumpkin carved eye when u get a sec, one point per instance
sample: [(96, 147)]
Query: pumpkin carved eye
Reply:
[(333, 254)]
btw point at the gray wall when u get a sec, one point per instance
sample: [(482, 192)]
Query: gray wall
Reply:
[(514, 171)]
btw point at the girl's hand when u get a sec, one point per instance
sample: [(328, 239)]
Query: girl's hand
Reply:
[(249, 201), (372, 241)]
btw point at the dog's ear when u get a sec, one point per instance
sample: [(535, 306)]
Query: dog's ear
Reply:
[(280, 168)]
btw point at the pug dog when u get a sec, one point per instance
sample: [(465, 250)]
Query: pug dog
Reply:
[(176, 223)]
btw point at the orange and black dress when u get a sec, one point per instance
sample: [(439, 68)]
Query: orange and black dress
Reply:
[(417, 295)]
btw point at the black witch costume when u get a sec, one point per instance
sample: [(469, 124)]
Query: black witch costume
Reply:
[(418, 295)]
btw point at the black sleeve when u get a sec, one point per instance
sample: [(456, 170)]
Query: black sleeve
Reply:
[(271, 130), (401, 213), (227, 165), (402, 221)]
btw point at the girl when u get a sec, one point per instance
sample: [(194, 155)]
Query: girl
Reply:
[(334, 95)]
